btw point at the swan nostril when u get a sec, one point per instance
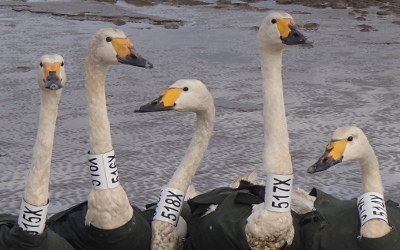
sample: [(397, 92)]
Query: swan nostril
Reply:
[(325, 160), (295, 34), (154, 103)]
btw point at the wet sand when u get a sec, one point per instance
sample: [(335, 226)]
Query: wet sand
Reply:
[(349, 77)]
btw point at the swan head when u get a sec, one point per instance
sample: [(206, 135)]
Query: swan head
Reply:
[(348, 143), (51, 73), (188, 95), (279, 30), (111, 46)]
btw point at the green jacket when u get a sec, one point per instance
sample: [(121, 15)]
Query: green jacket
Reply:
[(13, 237), (224, 228), (70, 224), (335, 225)]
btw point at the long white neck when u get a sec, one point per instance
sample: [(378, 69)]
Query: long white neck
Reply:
[(198, 145), (276, 139), (99, 125), (372, 182), (267, 229), (37, 185), (165, 235), (371, 177), (109, 208)]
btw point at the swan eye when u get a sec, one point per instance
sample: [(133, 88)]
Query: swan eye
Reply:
[(108, 39), (273, 21), (62, 64), (41, 64), (185, 89), (350, 138)]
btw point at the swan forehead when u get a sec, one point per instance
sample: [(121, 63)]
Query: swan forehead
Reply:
[(345, 132), (112, 32), (279, 15), (51, 58), (192, 84)]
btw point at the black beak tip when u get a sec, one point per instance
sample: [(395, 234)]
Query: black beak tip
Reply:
[(311, 169), (309, 41), (54, 87), (150, 107), (149, 65)]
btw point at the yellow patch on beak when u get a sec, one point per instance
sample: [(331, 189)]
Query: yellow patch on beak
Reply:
[(283, 26), (169, 96), (47, 67), (336, 149), (122, 46)]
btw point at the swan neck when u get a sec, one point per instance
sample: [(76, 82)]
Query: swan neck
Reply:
[(37, 185), (371, 177), (108, 208), (198, 145), (276, 153), (372, 182), (99, 125)]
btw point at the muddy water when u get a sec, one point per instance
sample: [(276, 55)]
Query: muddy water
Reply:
[(349, 77)]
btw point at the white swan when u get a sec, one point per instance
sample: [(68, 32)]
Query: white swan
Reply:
[(266, 229), (51, 79), (186, 95), (108, 205), (107, 208), (349, 143), (29, 231), (263, 229)]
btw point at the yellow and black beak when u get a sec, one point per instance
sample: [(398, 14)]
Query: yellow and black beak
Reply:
[(163, 103), (52, 76), (290, 35), (332, 156), (126, 53)]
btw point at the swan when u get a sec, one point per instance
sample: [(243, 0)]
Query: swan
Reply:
[(269, 225), (51, 79), (188, 95), (349, 143), (29, 230), (108, 208), (108, 220)]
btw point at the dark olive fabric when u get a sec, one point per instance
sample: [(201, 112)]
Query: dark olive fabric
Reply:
[(13, 237), (136, 234), (224, 228), (335, 225)]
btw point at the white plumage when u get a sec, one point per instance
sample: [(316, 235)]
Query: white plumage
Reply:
[(349, 143), (37, 184), (266, 229), (28, 230), (109, 208), (193, 97)]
